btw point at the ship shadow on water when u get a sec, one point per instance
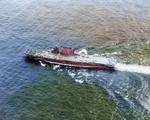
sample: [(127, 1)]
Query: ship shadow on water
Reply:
[(31, 61)]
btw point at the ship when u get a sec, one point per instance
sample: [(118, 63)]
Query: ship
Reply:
[(71, 57)]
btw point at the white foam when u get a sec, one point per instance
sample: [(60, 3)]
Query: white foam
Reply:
[(79, 81), (133, 68), (72, 74), (55, 67), (146, 103), (116, 53), (110, 54), (42, 64)]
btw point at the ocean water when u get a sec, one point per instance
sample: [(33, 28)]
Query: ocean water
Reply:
[(30, 90)]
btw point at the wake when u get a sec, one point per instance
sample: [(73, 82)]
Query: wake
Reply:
[(132, 68)]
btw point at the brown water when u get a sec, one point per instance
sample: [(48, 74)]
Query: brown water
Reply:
[(96, 23)]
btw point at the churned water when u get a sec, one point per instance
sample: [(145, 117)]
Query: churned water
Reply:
[(30, 90)]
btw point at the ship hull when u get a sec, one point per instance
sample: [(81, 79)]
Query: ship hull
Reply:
[(73, 64)]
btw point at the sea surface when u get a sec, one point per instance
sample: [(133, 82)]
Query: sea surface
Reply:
[(33, 90)]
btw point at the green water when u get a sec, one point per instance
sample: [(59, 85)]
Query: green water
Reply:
[(61, 98), (135, 54), (53, 96)]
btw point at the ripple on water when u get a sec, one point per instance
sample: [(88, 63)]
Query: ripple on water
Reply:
[(126, 88), (60, 97), (43, 24)]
